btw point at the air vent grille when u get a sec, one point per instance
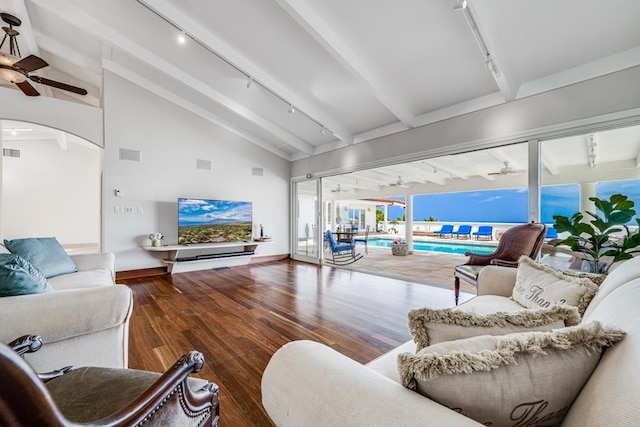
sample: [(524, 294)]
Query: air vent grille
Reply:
[(257, 171), (132, 155), (10, 152), (206, 165)]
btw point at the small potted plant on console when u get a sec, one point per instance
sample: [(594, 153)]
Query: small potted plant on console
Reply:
[(156, 239)]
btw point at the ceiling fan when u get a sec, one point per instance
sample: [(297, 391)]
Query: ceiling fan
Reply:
[(507, 170), (338, 189), (15, 70), (399, 183)]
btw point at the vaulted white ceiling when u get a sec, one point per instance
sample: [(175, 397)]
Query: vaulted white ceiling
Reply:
[(353, 70)]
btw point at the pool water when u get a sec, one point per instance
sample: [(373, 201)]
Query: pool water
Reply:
[(444, 247)]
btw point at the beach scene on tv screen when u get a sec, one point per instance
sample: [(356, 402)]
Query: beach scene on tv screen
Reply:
[(213, 221)]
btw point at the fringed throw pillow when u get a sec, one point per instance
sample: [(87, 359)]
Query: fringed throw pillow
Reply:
[(429, 326), (540, 286), (528, 378)]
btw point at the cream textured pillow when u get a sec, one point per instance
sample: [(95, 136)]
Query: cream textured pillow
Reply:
[(523, 379), (540, 286), (433, 326)]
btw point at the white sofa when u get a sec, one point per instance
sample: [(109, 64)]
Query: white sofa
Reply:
[(309, 384), (85, 322)]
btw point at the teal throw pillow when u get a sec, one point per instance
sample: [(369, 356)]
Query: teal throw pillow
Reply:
[(19, 277), (44, 253)]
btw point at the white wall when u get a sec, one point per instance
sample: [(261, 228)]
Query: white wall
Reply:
[(51, 192), (170, 140), (77, 119)]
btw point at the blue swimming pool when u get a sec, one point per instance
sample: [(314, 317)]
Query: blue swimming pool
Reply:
[(444, 247)]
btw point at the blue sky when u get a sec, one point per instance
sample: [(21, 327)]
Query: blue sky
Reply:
[(509, 205), (201, 211)]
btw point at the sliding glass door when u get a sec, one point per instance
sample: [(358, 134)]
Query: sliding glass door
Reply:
[(307, 237)]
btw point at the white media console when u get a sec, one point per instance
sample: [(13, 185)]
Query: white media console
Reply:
[(182, 258)]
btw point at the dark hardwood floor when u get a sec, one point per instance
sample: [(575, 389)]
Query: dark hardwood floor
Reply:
[(238, 317)]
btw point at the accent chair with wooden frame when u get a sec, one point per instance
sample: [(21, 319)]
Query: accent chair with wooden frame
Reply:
[(102, 396), (525, 239)]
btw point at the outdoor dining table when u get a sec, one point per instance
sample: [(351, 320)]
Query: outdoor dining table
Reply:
[(344, 236)]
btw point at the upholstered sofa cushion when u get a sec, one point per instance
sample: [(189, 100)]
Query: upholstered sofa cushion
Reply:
[(45, 253), (540, 286), (19, 277), (430, 327), (82, 279), (508, 380)]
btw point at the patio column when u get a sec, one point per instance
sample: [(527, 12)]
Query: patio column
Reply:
[(1, 183), (587, 189), (408, 221), (385, 225)]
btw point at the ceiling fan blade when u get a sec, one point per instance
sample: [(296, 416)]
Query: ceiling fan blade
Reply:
[(58, 85), (27, 89), (31, 63)]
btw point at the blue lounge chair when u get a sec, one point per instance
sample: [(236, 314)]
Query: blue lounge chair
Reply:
[(484, 231), (463, 232), (343, 253), (446, 230)]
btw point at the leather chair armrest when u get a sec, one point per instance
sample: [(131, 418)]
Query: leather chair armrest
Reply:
[(504, 263)]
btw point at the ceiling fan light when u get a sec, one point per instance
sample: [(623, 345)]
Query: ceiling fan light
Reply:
[(6, 59), (11, 76)]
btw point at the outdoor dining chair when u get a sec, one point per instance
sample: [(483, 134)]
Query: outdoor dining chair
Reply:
[(364, 240)]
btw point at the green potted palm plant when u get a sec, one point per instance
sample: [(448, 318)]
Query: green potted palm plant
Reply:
[(606, 238)]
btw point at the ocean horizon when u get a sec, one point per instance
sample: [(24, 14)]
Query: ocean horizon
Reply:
[(509, 205)]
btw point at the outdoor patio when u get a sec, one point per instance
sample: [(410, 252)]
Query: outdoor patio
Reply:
[(430, 268)]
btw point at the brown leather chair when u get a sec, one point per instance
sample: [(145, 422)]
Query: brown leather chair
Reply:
[(525, 239), (102, 396)]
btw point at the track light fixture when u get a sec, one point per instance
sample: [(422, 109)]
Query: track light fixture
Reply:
[(591, 148), (490, 64), (492, 67), (459, 4), (182, 38)]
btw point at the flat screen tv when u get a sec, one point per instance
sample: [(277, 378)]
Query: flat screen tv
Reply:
[(214, 221)]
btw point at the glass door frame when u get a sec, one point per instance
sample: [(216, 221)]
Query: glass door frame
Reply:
[(315, 234)]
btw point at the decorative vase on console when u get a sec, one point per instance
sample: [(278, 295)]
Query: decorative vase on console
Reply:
[(156, 239)]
